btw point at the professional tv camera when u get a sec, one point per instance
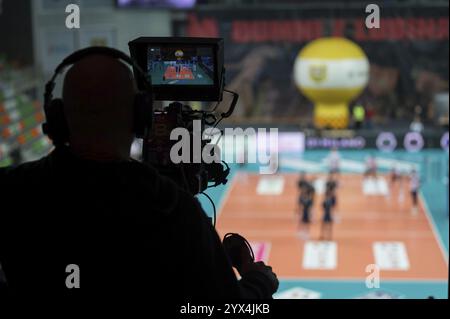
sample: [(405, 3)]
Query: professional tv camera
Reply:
[(187, 69), (183, 69)]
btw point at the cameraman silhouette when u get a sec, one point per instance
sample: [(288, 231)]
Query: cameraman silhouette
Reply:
[(129, 230)]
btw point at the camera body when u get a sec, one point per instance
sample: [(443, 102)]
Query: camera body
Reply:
[(194, 173), (183, 69)]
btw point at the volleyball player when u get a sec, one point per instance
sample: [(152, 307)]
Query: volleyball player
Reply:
[(334, 161), (331, 186), (395, 175), (414, 186), (303, 181), (306, 201), (327, 220), (371, 167)]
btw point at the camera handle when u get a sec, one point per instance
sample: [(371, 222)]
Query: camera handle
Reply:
[(232, 106), (238, 250)]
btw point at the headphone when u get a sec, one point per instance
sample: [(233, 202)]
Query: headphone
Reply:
[(56, 127)]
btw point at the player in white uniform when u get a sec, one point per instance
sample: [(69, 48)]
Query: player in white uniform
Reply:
[(334, 160)]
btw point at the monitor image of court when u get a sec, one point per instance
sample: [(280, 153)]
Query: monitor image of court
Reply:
[(180, 66)]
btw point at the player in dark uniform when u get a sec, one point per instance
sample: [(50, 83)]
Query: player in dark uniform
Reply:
[(414, 186), (178, 66), (331, 186), (303, 181), (306, 201), (327, 221)]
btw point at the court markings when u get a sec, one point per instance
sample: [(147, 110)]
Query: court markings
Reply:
[(320, 185), (346, 234), (273, 185), (324, 255), (320, 255), (256, 216), (433, 227), (380, 294), (391, 255), (298, 293), (375, 187)]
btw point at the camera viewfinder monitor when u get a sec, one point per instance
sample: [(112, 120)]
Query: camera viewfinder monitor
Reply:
[(181, 69)]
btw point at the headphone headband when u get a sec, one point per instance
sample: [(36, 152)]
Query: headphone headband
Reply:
[(56, 127), (114, 53)]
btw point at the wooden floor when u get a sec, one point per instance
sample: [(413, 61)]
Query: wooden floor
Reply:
[(362, 220)]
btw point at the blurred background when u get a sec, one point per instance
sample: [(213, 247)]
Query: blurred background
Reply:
[(408, 56), (389, 101)]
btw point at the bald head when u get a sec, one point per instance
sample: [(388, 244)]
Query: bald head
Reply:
[(98, 96)]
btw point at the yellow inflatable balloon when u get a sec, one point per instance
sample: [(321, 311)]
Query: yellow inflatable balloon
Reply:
[(331, 72), (179, 53)]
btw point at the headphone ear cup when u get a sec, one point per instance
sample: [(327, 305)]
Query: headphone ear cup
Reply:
[(143, 114), (56, 125), (217, 173)]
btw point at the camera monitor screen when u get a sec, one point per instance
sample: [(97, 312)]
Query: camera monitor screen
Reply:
[(181, 65), (181, 68)]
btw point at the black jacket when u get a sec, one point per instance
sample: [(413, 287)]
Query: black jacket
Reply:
[(130, 231)]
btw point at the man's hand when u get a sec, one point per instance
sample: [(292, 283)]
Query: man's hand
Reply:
[(258, 280), (263, 269)]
